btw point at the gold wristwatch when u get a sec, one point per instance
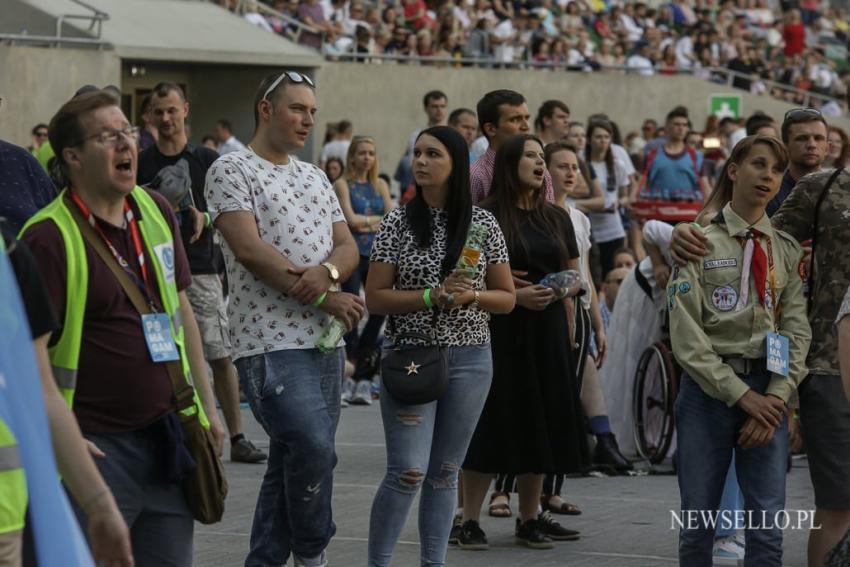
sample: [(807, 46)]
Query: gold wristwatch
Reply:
[(332, 271)]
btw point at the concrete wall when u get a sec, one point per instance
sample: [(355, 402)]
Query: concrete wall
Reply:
[(35, 82), (385, 101)]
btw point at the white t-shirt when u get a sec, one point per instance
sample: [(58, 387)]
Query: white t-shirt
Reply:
[(295, 207), (658, 234), (581, 227), (608, 226), (621, 155), (335, 148)]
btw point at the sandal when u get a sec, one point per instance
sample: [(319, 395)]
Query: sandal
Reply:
[(500, 505), (565, 508)]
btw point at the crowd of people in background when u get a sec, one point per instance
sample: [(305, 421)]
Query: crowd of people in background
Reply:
[(271, 255), (768, 44)]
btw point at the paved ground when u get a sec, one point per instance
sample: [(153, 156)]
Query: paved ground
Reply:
[(626, 520)]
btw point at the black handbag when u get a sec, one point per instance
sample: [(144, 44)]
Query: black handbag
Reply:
[(415, 375)]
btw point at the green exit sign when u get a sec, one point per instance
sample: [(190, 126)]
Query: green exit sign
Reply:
[(723, 105)]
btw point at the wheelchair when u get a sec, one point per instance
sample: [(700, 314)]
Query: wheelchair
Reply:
[(655, 388)]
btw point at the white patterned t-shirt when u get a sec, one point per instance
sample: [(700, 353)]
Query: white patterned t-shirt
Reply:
[(295, 207)]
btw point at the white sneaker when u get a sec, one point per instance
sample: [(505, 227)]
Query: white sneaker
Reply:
[(320, 561), (728, 550), (348, 387), (362, 394)]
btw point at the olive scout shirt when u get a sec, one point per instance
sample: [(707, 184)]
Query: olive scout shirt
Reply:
[(705, 327)]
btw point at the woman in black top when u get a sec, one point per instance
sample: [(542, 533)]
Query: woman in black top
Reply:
[(532, 423)]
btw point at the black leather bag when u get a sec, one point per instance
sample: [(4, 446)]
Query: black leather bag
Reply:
[(415, 375)]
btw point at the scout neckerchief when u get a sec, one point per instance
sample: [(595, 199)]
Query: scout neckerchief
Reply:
[(762, 268), (144, 284)]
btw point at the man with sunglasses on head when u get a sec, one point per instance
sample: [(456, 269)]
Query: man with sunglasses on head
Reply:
[(804, 133), (286, 247), (111, 359), (178, 170), (816, 206)]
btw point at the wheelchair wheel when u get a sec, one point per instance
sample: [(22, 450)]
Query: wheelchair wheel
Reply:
[(655, 390)]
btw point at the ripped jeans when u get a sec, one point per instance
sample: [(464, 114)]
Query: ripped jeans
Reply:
[(426, 445), (294, 394)]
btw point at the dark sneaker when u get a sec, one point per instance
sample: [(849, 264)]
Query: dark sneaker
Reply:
[(472, 537), (457, 525), (531, 534), (554, 530), (243, 451)]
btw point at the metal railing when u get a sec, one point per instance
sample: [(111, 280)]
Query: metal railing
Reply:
[(242, 6), (718, 75), (95, 30), (95, 19)]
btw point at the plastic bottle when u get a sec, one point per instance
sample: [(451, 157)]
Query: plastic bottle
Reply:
[(329, 340), (471, 253), (333, 333), (561, 282)]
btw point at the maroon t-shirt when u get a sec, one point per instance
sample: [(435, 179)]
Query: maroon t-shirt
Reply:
[(119, 387)]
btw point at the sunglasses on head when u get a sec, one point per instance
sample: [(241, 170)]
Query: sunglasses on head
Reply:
[(796, 112), (292, 76)]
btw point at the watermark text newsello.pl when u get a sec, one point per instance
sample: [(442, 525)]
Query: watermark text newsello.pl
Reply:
[(743, 520)]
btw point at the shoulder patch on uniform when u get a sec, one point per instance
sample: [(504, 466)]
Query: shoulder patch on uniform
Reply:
[(720, 263), (684, 288)]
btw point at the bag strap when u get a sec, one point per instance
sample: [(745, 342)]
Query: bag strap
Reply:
[(183, 392), (435, 337), (818, 204)]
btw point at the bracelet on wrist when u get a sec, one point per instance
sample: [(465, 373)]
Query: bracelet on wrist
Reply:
[(426, 297), (321, 299)]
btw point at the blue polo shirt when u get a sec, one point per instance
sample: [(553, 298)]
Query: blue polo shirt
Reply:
[(788, 184), (24, 185)]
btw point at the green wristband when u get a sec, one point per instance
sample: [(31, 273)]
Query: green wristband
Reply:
[(209, 219), (321, 299), (696, 224), (426, 296)]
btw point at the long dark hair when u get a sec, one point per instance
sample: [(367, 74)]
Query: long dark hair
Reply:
[(505, 194), (458, 201), (609, 155)]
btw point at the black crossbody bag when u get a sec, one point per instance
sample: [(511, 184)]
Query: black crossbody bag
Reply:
[(415, 375)]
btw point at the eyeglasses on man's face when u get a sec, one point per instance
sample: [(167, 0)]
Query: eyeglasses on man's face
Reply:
[(294, 77), (111, 138)]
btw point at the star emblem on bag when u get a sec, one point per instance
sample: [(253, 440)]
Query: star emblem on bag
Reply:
[(413, 368)]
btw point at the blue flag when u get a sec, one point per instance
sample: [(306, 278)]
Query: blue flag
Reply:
[(58, 539)]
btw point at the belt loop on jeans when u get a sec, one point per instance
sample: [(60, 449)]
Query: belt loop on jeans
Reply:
[(747, 365)]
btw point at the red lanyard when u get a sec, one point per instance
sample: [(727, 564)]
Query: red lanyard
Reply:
[(143, 284)]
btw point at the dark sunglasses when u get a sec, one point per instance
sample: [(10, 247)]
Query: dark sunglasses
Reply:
[(294, 77), (797, 112), (41, 134)]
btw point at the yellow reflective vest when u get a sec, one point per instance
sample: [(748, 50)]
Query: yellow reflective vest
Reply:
[(159, 244)]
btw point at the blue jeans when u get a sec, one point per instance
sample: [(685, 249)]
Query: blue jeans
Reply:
[(707, 433), (294, 394), (426, 445), (732, 500)]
